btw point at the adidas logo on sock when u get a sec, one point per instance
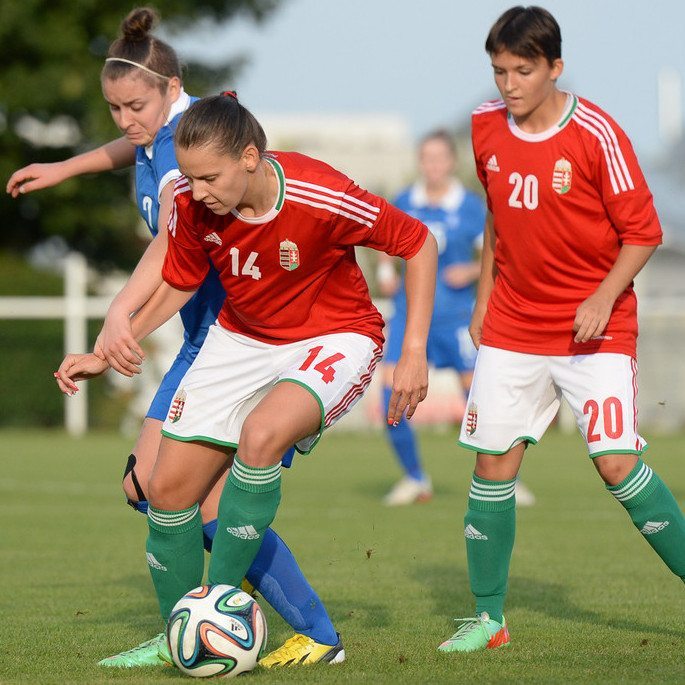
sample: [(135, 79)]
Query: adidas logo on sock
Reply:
[(473, 533), (244, 532), (153, 563), (652, 527)]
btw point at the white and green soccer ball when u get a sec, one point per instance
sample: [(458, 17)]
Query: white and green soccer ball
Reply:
[(216, 630)]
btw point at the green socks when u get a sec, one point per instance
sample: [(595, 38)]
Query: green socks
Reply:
[(490, 526), (175, 554), (247, 507), (655, 513)]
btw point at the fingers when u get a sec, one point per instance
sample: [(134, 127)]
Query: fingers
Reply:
[(588, 326), (401, 401), (124, 360), (20, 182), (64, 382)]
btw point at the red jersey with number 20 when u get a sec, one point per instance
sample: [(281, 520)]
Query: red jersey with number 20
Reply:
[(291, 274), (563, 202)]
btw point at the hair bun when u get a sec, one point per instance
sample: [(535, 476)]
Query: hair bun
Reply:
[(138, 24)]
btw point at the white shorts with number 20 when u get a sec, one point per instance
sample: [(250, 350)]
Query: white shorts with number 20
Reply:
[(515, 396), (232, 373)]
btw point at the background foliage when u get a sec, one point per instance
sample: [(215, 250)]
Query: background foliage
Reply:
[(51, 53)]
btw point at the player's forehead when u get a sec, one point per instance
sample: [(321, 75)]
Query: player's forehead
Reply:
[(202, 161), (128, 88), (504, 59)]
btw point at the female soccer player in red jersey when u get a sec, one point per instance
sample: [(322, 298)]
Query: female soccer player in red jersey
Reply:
[(295, 343), (570, 224), (142, 86)]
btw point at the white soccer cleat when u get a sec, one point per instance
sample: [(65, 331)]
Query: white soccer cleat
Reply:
[(524, 496), (409, 491)]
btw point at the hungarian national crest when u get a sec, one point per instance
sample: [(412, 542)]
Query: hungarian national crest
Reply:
[(472, 419), (289, 255), (177, 405), (561, 177)]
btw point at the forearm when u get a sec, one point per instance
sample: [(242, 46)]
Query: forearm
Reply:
[(488, 268), (163, 304), (420, 290), (117, 154), (145, 279), (630, 260)]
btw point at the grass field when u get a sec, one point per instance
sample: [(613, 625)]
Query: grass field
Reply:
[(589, 602)]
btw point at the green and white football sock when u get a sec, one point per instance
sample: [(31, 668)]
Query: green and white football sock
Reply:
[(247, 507), (489, 529), (175, 553), (655, 513)]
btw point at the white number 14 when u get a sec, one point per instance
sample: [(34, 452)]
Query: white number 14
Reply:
[(249, 268)]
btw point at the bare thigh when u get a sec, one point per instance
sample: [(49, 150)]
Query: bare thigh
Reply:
[(500, 467), (288, 413)]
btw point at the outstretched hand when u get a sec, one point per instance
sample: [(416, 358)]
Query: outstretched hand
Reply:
[(35, 177), (409, 386), (78, 367)]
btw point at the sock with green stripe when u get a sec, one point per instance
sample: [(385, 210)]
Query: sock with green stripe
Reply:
[(247, 507), (489, 529), (175, 553), (655, 513)]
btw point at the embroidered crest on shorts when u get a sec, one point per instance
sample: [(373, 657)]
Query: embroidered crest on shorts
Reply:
[(289, 255), (472, 419), (177, 405), (561, 177)]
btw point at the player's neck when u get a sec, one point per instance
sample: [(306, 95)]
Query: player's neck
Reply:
[(261, 193), (545, 115), (435, 192)]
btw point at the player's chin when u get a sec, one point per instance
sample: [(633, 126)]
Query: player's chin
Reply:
[(219, 209)]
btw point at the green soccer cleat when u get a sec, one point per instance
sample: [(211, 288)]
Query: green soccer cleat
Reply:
[(479, 632), (154, 652)]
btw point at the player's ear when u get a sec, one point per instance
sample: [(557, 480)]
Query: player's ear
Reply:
[(251, 158), (173, 88), (557, 68)]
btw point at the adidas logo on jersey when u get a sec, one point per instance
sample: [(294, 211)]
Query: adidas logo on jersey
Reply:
[(473, 533), (492, 164), (214, 238), (244, 532), (153, 563), (652, 527)]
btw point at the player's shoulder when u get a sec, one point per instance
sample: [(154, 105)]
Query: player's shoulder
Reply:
[(490, 110), (183, 195), (302, 169), (593, 121)]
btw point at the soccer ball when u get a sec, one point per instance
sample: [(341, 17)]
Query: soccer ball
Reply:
[(216, 630)]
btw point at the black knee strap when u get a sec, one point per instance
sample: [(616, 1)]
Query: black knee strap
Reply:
[(129, 469)]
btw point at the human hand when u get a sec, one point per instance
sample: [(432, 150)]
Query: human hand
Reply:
[(476, 326), (409, 385), (35, 177), (460, 275), (117, 345), (78, 367), (592, 317)]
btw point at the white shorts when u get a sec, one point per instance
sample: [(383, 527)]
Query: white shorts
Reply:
[(515, 396), (232, 373)]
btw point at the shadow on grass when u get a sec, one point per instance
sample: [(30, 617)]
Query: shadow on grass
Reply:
[(449, 591)]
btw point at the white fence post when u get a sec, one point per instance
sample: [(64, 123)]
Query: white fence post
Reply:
[(76, 337)]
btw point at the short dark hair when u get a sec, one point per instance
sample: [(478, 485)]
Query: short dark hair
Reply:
[(221, 121), (528, 32)]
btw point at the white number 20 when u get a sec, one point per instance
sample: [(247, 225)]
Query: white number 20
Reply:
[(529, 185)]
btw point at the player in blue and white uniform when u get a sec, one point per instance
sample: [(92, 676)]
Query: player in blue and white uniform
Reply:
[(141, 82)]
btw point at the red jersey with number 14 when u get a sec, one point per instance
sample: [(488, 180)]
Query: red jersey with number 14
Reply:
[(291, 274), (563, 202)]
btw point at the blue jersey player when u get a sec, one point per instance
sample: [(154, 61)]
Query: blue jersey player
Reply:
[(456, 217), (142, 86)]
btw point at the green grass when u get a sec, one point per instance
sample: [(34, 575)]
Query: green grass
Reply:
[(589, 602)]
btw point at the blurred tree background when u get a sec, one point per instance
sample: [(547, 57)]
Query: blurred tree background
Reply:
[(51, 107)]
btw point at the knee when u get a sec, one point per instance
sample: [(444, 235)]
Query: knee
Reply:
[(613, 468), (166, 495), (260, 443)]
